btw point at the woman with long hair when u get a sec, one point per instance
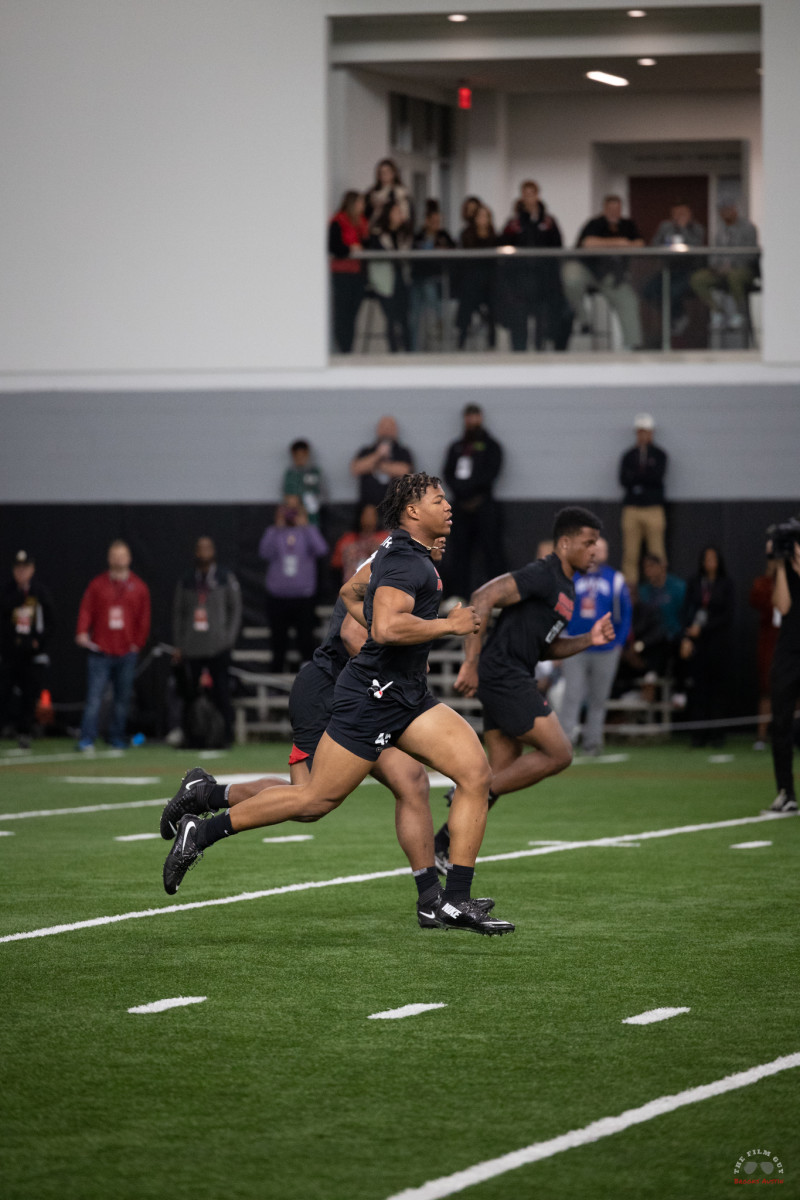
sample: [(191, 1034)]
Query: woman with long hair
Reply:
[(478, 277), (388, 189), (389, 280), (347, 233), (705, 646)]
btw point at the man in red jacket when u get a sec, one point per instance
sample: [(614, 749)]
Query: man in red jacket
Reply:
[(113, 625)]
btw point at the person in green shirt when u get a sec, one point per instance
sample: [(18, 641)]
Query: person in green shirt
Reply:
[(304, 479)]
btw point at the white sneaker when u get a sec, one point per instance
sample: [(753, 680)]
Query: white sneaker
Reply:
[(783, 803)]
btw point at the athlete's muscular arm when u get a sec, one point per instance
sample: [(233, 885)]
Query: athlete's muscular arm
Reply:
[(393, 622), (601, 633), (354, 591), (499, 592), (353, 635)]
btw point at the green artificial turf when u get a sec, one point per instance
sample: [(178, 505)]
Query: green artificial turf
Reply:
[(279, 1087)]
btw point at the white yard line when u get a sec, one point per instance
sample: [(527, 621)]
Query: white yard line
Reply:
[(654, 1014), (86, 808), (720, 758), (584, 760), (138, 837), (123, 780), (324, 883), (6, 833), (292, 837), (75, 757), (749, 845), (409, 1010), (163, 1005), (449, 1185)]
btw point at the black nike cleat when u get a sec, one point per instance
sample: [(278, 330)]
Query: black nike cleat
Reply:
[(428, 914), (468, 914), (184, 853), (191, 797)]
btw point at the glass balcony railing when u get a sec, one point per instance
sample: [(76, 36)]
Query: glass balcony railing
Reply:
[(508, 300)]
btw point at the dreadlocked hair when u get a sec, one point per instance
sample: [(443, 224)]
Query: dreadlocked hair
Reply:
[(401, 492)]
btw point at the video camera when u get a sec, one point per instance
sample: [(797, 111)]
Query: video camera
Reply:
[(784, 538)]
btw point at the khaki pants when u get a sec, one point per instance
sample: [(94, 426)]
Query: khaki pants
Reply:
[(736, 280), (577, 279), (641, 524)]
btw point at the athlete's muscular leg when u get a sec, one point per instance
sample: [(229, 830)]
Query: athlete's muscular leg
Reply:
[(444, 739), (237, 792), (552, 753), (408, 781), (335, 774)]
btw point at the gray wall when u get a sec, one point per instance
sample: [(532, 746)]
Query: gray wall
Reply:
[(562, 442)]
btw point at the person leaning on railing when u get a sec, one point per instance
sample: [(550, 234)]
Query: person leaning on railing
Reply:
[(477, 277), (347, 233), (389, 280), (530, 287)]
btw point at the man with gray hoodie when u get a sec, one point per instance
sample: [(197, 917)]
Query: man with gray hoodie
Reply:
[(206, 616)]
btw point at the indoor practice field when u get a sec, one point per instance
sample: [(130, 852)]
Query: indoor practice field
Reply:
[(277, 1083)]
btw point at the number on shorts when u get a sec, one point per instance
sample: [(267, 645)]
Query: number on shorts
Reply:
[(383, 739)]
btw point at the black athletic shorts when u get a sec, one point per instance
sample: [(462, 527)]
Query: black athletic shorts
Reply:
[(310, 706), (369, 715), (513, 705)]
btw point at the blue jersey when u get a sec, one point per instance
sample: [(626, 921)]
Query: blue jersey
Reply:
[(598, 592)]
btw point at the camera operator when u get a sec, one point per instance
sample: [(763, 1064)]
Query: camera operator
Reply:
[(784, 547)]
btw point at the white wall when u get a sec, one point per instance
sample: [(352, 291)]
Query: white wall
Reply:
[(163, 185), (553, 142)]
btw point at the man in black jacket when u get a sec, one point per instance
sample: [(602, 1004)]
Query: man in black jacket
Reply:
[(26, 613), (533, 286), (471, 467), (641, 473)]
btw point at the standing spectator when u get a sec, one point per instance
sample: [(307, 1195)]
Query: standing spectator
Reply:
[(769, 624), (304, 479), (728, 277), (206, 616), (347, 234), (471, 467), (706, 642), (113, 625), (389, 280), (785, 678), (26, 622), (590, 676), (353, 548), (477, 286), (533, 287), (427, 277), (680, 230), (375, 466), (641, 473), (388, 189), (607, 275), (291, 547), (663, 597), (468, 210)]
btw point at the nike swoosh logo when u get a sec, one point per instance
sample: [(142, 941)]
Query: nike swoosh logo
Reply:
[(189, 827), (424, 914), (192, 784)]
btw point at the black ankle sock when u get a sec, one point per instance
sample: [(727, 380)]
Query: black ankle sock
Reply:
[(441, 843), (427, 881), (218, 797), (214, 829), (459, 882)]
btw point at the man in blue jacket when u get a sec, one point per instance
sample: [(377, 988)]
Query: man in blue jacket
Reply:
[(589, 676)]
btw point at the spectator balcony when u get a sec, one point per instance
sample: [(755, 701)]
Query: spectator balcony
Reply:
[(576, 304)]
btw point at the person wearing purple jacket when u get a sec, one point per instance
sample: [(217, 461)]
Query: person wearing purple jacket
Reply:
[(291, 548), (590, 676)]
